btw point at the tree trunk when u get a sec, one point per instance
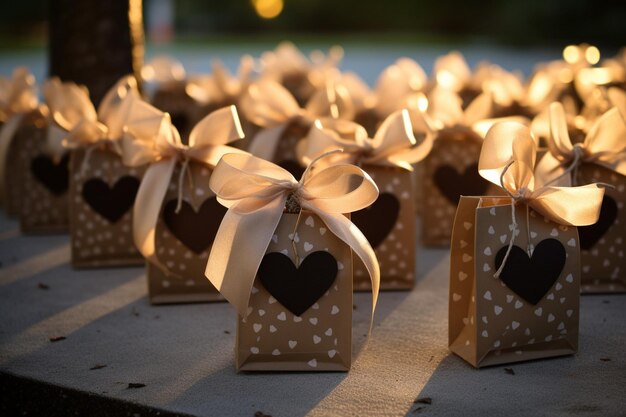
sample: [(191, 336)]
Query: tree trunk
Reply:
[(95, 42)]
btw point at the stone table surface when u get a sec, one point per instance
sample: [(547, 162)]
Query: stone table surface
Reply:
[(184, 353)]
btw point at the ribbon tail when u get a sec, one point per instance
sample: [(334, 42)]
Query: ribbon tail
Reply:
[(265, 142), (147, 207), (7, 133), (238, 249), (347, 231)]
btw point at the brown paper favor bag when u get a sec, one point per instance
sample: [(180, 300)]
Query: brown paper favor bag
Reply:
[(292, 286), (389, 224), (603, 258), (29, 125), (449, 171), (102, 194), (20, 114), (176, 215), (183, 241), (515, 262), (274, 338), (45, 184), (599, 156), (283, 123), (490, 322)]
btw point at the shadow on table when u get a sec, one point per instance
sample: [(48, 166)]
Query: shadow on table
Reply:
[(226, 392)]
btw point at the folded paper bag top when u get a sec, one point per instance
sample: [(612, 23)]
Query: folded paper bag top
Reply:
[(604, 145), (150, 137), (255, 192), (508, 159), (393, 145), (270, 106)]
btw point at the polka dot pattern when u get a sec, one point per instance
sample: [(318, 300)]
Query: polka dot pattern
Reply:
[(186, 282), (396, 253), (271, 338), (95, 241), (604, 265), (42, 211), (489, 324), (29, 127)]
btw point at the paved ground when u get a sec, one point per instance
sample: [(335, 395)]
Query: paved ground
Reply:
[(184, 354)]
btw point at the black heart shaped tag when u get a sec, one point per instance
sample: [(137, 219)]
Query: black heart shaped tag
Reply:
[(196, 230), (590, 235), (377, 220), (453, 184), (55, 177), (531, 278), (297, 288), (111, 202)]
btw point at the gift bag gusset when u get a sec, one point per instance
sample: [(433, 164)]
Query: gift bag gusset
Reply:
[(282, 257), (599, 157), (21, 117), (175, 213), (389, 224), (102, 189), (515, 261), (450, 169), (283, 123)]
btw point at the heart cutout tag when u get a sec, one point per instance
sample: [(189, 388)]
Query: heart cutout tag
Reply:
[(590, 235), (453, 184), (531, 278), (55, 177), (111, 202), (196, 230), (297, 289), (377, 220)]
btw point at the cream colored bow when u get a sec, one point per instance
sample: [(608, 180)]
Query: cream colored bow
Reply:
[(508, 159), (392, 145), (270, 106), (18, 97), (76, 122), (151, 138), (604, 145), (255, 192)]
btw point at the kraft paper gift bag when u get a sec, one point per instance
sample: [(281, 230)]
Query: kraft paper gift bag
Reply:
[(389, 224), (21, 116), (449, 170), (283, 123), (598, 157), (102, 190), (175, 214), (282, 257), (515, 261)]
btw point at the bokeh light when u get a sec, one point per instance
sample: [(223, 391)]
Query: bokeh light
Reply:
[(268, 9)]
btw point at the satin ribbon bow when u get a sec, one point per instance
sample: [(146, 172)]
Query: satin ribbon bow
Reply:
[(255, 192), (270, 106), (508, 159), (393, 144), (603, 145), (151, 138), (72, 110), (18, 97)]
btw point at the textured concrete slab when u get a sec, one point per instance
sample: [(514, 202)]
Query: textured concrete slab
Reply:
[(184, 353)]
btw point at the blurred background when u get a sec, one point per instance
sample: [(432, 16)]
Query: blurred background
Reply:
[(508, 32)]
